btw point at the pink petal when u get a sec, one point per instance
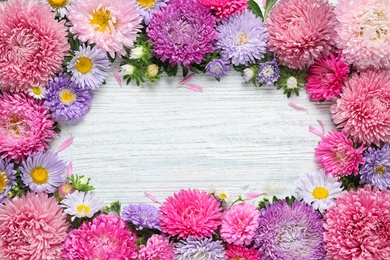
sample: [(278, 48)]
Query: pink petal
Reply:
[(65, 144), (193, 87), (252, 195), (117, 77), (70, 170), (297, 107), (322, 125), (315, 131), (151, 197), (187, 78)]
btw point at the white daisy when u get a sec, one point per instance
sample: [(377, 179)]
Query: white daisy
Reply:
[(37, 92), (81, 204), (59, 5), (319, 190)]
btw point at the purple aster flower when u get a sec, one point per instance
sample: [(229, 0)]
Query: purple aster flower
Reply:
[(43, 172), (290, 232), (66, 100), (142, 216), (376, 168), (149, 7), (268, 72), (183, 33), (204, 248), (242, 38), (217, 68), (7, 178)]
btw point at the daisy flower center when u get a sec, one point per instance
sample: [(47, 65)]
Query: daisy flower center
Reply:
[(320, 193), (57, 3), (39, 175), (84, 65), (101, 19), (67, 96), (3, 181), (240, 38), (381, 169), (147, 4), (223, 196), (83, 209), (37, 90)]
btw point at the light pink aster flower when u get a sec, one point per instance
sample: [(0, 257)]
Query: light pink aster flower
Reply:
[(363, 109), (32, 45), (225, 8), (235, 252), (157, 247), (301, 31), (32, 227), (337, 155), (111, 24)]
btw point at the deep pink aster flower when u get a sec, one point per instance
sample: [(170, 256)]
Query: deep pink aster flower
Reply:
[(363, 109), (25, 126), (225, 8), (32, 45), (190, 213), (105, 237), (301, 31), (359, 226), (336, 154), (326, 76), (235, 252), (239, 224), (157, 247), (32, 227)]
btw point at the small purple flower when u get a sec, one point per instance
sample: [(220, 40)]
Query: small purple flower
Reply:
[(205, 248), (268, 72), (217, 68), (66, 100), (376, 168), (7, 178), (142, 216)]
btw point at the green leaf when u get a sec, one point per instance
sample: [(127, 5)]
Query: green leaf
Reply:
[(254, 7), (268, 6)]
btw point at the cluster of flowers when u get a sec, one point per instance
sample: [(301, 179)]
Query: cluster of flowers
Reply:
[(54, 53)]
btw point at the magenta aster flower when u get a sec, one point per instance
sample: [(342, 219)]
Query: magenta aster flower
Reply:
[(225, 8), (359, 226), (337, 155), (7, 178), (25, 126), (190, 213), (326, 76), (32, 45), (105, 237), (157, 247), (32, 227), (172, 32), (301, 31), (376, 168), (363, 109), (235, 252)]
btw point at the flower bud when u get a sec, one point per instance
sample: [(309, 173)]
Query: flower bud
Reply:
[(127, 69), (152, 70), (137, 53)]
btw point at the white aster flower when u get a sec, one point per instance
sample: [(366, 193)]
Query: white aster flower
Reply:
[(37, 92), (81, 204), (61, 6)]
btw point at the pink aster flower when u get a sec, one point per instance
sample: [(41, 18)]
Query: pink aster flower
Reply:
[(301, 31), (157, 247), (363, 109), (239, 224), (225, 8), (235, 252), (111, 25), (32, 227), (359, 226), (326, 76), (105, 237), (32, 45), (337, 155), (190, 213), (25, 126)]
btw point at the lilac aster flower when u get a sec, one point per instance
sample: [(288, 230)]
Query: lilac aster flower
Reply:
[(242, 38), (376, 168), (268, 72), (205, 248), (66, 100), (43, 172), (217, 68), (142, 216), (183, 33), (7, 178), (286, 232), (148, 7)]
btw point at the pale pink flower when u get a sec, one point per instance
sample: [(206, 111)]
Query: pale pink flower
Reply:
[(157, 247), (225, 8)]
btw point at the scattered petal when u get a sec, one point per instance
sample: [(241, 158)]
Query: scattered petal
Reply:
[(151, 197), (193, 87), (65, 144), (187, 78), (117, 76)]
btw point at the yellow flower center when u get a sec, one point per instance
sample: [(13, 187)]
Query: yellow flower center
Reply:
[(84, 65), (83, 209), (101, 19), (57, 3), (67, 96), (147, 4), (39, 175), (320, 193), (240, 39), (3, 181), (37, 90), (381, 169), (223, 196)]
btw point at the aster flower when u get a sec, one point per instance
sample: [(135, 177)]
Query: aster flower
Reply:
[(89, 67), (67, 100), (319, 190), (157, 247), (239, 224), (290, 232), (248, 74), (301, 31), (217, 68), (225, 8), (111, 25), (376, 168), (190, 213), (105, 237), (363, 32), (142, 216), (37, 92), (172, 31), (81, 204), (204, 248), (60, 6), (291, 81), (7, 178), (337, 155), (25, 126), (148, 7), (43, 172), (363, 109), (358, 227), (32, 227), (242, 38), (32, 45), (235, 252), (268, 72)]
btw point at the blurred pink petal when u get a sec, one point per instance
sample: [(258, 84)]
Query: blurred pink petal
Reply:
[(65, 144), (117, 77), (151, 197), (187, 78), (70, 170), (193, 87), (252, 195), (322, 125), (297, 107), (315, 131)]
